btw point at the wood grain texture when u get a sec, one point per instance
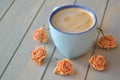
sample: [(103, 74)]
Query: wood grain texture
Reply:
[(13, 27), (111, 26), (4, 6), (80, 64), (21, 66)]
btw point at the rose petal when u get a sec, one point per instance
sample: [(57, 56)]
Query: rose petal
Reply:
[(97, 62), (106, 42), (38, 54), (40, 35), (64, 67)]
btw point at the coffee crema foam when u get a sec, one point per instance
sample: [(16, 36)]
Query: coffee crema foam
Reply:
[(72, 20)]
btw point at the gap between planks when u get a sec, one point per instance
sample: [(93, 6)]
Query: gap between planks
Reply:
[(75, 2), (48, 64), (7, 10), (22, 37), (52, 55), (94, 48)]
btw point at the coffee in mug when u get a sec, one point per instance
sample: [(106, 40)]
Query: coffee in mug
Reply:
[(72, 20)]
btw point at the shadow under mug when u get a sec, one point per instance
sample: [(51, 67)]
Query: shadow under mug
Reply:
[(73, 45)]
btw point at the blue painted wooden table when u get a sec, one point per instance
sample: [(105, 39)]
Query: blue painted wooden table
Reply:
[(20, 18)]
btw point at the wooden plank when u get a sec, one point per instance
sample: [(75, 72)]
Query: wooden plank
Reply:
[(21, 66), (4, 6), (111, 26), (13, 27), (80, 64)]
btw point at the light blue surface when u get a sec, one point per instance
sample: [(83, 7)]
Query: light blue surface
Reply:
[(73, 45)]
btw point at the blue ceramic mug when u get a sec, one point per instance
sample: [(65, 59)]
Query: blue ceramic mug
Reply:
[(73, 45)]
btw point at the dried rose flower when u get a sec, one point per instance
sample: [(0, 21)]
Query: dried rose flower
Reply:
[(64, 67), (98, 62), (106, 42), (40, 35), (38, 54)]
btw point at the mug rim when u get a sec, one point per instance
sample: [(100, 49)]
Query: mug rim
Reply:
[(73, 6)]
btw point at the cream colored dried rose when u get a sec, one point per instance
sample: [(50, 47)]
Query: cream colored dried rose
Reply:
[(64, 67), (40, 35), (106, 42), (97, 62), (38, 54)]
